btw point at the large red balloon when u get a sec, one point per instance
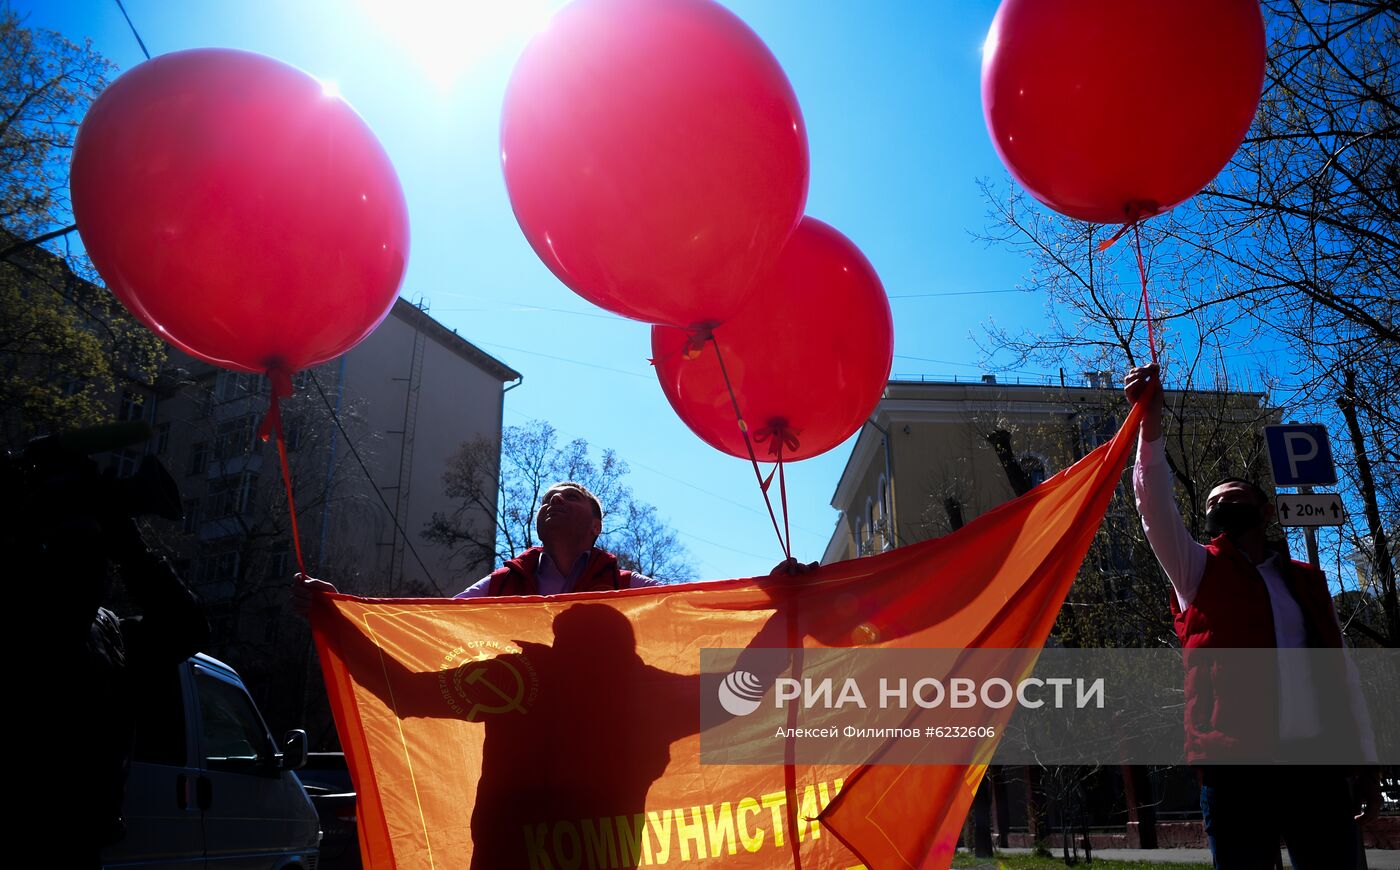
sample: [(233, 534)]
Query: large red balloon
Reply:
[(655, 156), (1110, 109), (240, 211), (809, 355)]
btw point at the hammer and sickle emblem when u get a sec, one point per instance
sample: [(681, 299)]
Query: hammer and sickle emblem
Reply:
[(475, 684)]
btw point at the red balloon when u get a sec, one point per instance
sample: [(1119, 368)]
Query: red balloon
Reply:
[(239, 210), (809, 355), (655, 156), (1110, 109)]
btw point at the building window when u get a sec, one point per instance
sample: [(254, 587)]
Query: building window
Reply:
[(277, 563), (1033, 467), (162, 440), (190, 523), (230, 496), (133, 406), (199, 457), (220, 621), (220, 568), (126, 462), (226, 387), (234, 438), (291, 432), (1095, 428), (237, 385), (882, 508)]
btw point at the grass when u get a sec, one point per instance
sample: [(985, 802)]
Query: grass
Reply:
[(1030, 862)]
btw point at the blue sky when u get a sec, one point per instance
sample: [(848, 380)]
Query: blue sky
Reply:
[(890, 95)]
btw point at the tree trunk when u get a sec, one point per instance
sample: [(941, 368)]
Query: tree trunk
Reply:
[(982, 819), (1142, 814), (1015, 474), (1003, 804), (1382, 571), (982, 801), (1035, 811)]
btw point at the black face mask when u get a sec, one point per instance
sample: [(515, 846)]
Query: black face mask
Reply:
[(1232, 518)]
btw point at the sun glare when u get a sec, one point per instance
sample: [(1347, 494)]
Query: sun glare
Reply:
[(448, 37)]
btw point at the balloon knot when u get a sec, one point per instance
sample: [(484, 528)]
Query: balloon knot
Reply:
[(1134, 212), (697, 337), (1141, 209), (280, 381), (778, 437)]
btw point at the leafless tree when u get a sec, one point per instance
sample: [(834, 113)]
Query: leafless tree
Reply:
[(1285, 270), (495, 523)]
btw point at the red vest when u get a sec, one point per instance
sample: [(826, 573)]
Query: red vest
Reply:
[(517, 576), (1232, 714)]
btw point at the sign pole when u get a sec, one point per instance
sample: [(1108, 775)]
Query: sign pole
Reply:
[(1300, 454), (1310, 535)]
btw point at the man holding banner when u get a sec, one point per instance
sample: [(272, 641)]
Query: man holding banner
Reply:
[(1238, 593), (592, 702), (568, 522)]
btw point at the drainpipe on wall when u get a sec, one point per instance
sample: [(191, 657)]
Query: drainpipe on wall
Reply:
[(889, 479), (501, 423)]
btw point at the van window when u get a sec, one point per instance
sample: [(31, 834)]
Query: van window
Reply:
[(234, 737), (158, 705)]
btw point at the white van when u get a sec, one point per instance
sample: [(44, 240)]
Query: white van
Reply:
[(208, 787)]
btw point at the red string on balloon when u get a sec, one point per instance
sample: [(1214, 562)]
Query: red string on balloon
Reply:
[(1137, 212), (281, 382), (779, 436), (782, 492), (748, 444), (1146, 305)]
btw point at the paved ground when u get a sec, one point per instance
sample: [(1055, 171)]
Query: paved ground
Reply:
[(1376, 859)]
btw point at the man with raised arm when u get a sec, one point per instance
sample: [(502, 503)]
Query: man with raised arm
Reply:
[(1239, 592)]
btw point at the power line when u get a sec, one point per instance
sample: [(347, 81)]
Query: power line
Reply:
[(139, 41), (351, 444), (525, 309), (957, 293), (943, 362), (946, 362), (686, 483), (563, 359), (610, 316), (721, 546)]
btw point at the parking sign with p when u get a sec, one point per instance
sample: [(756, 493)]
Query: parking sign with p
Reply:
[(1300, 454)]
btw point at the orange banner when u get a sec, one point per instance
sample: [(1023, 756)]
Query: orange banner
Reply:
[(562, 732)]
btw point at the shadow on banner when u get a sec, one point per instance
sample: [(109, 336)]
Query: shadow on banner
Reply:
[(565, 731)]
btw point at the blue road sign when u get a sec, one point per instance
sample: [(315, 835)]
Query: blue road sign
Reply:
[(1300, 454)]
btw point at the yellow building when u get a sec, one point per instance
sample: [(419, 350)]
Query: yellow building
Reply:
[(925, 462)]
